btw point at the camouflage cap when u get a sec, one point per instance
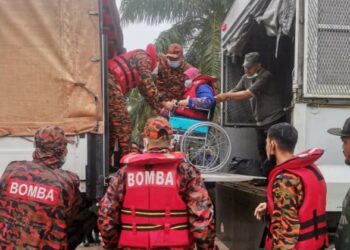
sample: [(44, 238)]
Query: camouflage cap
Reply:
[(51, 137), (175, 51), (154, 125)]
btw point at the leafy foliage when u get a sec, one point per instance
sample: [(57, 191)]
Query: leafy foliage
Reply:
[(196, 25)]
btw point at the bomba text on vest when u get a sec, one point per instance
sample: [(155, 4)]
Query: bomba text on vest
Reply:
[(158, 178)]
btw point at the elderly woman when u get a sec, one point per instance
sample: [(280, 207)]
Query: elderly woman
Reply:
[(198, 96)]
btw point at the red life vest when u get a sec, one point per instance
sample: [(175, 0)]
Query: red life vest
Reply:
[(191, 92), (127, 76), (312, 213), (153, 213)]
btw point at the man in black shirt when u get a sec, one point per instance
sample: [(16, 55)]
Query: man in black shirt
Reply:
[(257, 84)]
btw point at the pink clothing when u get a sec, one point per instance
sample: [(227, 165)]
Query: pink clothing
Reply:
[(192, 73)]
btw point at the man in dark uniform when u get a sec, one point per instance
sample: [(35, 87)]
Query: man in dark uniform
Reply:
[(257, 84), (157, 201), (39, 200), (343, 233)]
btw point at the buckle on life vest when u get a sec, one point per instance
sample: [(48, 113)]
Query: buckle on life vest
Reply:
[(133, 211), (134, 227), (167, 228), (167, 212)]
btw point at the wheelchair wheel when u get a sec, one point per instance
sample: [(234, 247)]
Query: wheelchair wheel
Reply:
[(207, 146)]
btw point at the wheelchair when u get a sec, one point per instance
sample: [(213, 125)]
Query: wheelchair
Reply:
[(206, 145)]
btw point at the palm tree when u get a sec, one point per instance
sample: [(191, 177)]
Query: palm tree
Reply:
[(196, 25)]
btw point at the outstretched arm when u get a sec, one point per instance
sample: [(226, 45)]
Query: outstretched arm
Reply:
[(147, 86), (204, 98), (239, 95)]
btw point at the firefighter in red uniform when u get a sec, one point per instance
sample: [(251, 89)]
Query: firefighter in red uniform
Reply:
[(39, 200), (157, 201), (127, 71), (296, 194)]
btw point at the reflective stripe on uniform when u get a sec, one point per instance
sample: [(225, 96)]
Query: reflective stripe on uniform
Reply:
[(150, 227), (154, 213)]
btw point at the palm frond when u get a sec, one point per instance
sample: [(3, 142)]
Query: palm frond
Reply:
[(139, 112), (196, 26), (158, 11), (181, 33), (204, 51)]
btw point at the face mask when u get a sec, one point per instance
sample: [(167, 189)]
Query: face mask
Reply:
[(252, 76), (174, 64), (188, 83)]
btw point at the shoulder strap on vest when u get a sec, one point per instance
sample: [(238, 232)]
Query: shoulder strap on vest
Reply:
[(301, 160)]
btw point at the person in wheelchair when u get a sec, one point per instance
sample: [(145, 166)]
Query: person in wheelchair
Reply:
[(198, 98)]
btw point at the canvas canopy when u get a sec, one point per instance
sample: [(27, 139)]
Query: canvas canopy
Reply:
[(50, 67)]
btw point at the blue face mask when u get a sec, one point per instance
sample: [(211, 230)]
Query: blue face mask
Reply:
[(174, 64)]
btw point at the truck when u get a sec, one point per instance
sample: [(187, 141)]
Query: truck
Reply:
[(53, 72), (305, 44)]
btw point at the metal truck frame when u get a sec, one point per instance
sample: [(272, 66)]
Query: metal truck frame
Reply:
[(315, 77), (89, 156)]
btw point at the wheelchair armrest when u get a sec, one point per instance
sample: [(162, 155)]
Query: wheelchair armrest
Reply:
[(206, 110)]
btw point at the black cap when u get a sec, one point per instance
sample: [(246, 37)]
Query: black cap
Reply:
[(250, 59), (345, 132)]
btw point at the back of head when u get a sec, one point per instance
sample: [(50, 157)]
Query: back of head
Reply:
[(285, 136), (158, 133), (50, 146)]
